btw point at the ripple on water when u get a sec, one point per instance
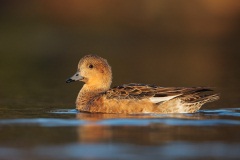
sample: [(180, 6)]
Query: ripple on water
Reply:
[(202, 118), (182, 150)]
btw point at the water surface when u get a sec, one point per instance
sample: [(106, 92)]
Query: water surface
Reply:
[(68, 134)]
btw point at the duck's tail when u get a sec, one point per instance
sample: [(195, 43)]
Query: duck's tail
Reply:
[(198, 98), (193, 102), (210, 98)]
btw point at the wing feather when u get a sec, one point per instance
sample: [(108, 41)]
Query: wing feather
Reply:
[(154, 93)]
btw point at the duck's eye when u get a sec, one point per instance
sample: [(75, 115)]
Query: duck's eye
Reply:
[(90, 66)]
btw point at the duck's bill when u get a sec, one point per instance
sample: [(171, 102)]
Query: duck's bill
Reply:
[(75, 77)]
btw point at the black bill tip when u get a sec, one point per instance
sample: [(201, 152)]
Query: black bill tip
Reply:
[(69, 80)]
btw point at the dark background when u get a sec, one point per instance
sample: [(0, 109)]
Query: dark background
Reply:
[(163, 42)]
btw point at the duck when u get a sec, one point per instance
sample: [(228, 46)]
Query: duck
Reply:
[(96, 96)]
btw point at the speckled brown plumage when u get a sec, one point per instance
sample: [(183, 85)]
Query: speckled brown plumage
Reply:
[(96, 95), (139, 91)]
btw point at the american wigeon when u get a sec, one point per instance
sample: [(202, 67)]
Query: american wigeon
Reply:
[(96, 95)]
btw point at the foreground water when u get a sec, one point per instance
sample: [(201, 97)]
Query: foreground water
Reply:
[(68, 134)]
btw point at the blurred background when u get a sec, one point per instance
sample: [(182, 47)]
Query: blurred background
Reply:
[(162, 42)]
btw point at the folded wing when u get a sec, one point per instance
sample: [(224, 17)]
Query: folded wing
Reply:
[(154, 93)]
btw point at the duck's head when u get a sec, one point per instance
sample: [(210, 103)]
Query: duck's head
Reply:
[(94, 71)]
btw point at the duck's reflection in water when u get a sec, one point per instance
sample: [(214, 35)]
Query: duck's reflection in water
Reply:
[(151, 129)]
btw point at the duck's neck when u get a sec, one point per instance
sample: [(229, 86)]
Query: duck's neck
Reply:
[(86, 94)]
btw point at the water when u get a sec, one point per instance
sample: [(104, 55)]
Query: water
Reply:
[(167, 43), (68, 134)]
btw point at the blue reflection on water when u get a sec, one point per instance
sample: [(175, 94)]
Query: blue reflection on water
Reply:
[(176, 150), (217, 118), (210, 134)]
